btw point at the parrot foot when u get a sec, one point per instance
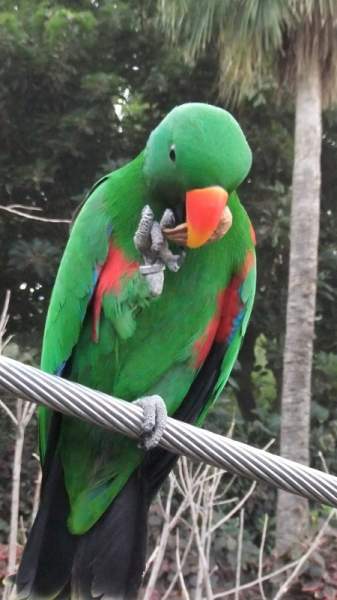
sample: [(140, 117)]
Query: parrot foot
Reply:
[(155, 419), (152, 244)]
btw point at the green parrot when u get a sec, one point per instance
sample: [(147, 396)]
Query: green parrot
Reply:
[(152, 300)]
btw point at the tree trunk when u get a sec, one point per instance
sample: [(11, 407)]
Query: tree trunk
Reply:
[(293, 511)]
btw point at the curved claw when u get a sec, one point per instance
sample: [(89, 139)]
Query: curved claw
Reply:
[(168, 219), (155, 419)]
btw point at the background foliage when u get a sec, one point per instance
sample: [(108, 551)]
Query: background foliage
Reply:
[(82, 83)]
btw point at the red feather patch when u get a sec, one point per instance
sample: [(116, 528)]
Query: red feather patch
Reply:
[(203, 345), (113, 270), (228, 314), (230, 307)]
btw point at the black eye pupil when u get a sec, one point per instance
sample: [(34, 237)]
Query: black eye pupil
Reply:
[(172, 154)]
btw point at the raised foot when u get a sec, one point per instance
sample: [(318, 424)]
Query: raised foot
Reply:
[(153, 246), (154, 420)]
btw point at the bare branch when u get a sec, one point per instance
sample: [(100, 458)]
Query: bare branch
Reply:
[(284, 588), (167, 594), (239, 554), (163, 543), (15, 501), (194, 506), (19, 410), (8, 412), (25, 207), (323, 461), (263, 541), (234, 510), (151, 559), (36, 498), (4, 320), (254, 582), (11, 208), (179, 569), (28, 411), (4, 313)]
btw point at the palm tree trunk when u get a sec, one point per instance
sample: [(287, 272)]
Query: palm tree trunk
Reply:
[(293, 511)]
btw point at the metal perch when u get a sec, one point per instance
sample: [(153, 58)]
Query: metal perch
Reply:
[(180, 438)]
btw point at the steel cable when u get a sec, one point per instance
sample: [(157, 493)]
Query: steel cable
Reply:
[(181, 438)]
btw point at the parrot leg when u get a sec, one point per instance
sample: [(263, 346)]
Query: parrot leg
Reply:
[(155, 419)]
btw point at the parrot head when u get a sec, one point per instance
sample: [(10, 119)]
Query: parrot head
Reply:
[(194, 159)]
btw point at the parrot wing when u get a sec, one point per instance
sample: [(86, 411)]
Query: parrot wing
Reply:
[(218, 350), (90, 259), (236, 307)]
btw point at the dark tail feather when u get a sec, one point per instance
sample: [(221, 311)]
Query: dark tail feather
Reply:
[(47, 559), (110, 558), (46, 563), (105, 563)]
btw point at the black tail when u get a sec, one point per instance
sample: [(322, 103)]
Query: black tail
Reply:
[(49, 552), (110, 558), (105, 563)]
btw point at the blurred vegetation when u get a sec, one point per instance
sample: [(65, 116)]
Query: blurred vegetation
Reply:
[(82, 83)]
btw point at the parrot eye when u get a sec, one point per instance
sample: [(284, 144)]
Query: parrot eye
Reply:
[(172, 153)]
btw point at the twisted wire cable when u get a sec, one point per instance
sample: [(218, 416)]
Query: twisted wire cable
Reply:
[(180, 438)]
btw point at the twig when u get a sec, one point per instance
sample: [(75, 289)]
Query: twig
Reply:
[(14, 211), (4, 316), (234, 510), (8, 412), (37, 491), (227, 487), (22, 531), (16, 476), (263, 541), (163, 543), (179, 569), (239, 554), (203, 566), (305, 556), (211, 505), (254, 582), (28, 411), (229, 501), (25, 207), (323, 461), (167, 594)]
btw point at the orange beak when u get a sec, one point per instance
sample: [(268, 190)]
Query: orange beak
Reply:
[(204, 209)]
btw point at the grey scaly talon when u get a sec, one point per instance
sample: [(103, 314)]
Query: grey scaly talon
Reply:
[(152, 269), (172, 261), (155, 419), (160, 245), (168, 219), (142, 237), (153, 246), (157, 238)]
